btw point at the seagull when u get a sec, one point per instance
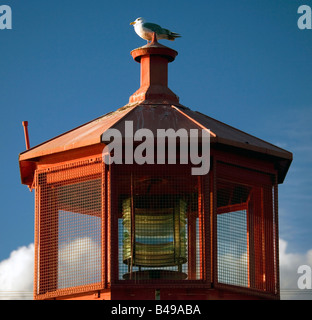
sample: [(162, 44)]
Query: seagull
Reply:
[(146, 29)]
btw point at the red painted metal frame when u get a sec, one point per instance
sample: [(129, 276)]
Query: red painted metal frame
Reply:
[(256, 173), (117, 288), (46, 209)]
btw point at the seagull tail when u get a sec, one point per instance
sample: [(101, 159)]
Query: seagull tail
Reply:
[(173, 35)]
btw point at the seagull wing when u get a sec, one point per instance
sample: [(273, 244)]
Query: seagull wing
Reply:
[(154, 27), (161, 32)]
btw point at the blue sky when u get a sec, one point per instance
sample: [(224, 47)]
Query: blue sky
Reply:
[(243, 62)]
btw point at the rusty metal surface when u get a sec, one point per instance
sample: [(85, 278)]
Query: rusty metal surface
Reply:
[(226, 134), (153, 117), (85, 135)]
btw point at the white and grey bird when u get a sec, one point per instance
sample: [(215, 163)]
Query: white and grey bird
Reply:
[(145, 30)]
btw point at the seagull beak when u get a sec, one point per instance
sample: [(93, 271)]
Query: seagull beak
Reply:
[(132, 22)]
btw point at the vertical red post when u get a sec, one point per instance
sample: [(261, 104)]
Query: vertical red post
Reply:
[(154, 59), (25, 125), (192, 244)]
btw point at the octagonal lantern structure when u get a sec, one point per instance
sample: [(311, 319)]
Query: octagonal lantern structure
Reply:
[(125, 228)]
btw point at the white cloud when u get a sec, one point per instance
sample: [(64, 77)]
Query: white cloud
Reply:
[(16, 274), (289, 264), (81, 257)]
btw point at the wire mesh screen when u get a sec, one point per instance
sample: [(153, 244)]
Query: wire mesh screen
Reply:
[(69, 228), (246, 229), (232, 248), (159, 225)]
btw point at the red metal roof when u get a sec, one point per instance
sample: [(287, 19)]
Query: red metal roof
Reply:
[(82, 136), (156, 117), (153, 117)]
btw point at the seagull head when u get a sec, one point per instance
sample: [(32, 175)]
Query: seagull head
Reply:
[(137, 21)]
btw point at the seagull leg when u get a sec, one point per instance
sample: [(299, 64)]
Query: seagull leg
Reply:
[(154, 38)]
